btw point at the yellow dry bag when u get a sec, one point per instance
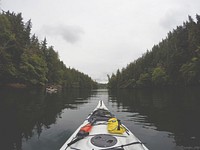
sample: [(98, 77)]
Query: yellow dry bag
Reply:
[(115, 127)]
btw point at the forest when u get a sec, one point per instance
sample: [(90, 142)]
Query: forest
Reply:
[(26, 60), (175, 61)]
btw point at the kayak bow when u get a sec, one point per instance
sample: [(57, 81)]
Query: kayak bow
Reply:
[(93, 134)]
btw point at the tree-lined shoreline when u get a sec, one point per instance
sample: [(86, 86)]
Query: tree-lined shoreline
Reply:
[(175, 61), (24, 60)]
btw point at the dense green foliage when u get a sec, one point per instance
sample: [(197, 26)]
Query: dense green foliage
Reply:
[(26, 60), (175, 61)]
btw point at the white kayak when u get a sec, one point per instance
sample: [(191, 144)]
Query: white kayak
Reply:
[(95, 135)]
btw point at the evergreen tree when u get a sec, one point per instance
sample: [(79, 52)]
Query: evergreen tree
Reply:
[(173, 61), (24, 59)]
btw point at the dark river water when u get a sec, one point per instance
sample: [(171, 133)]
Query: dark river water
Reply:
[(163, 119)]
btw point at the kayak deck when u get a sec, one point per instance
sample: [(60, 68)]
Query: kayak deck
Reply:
[(99, 138)]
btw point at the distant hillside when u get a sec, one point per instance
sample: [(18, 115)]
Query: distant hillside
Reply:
[(25, 60), (102, 86), (175, 61)]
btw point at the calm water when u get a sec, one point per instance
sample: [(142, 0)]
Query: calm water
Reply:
[(165, 119)]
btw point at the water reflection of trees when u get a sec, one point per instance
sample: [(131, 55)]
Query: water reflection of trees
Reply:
[(173, 110), (25, 113)]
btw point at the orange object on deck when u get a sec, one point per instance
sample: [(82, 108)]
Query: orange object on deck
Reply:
[(86, 128)]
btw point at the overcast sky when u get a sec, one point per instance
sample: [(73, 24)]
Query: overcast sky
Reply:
[(99, 36)]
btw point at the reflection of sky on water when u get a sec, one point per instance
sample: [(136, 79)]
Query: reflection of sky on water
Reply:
[(162, 120)]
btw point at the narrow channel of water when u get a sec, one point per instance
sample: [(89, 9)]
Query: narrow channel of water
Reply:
[(166, 119)]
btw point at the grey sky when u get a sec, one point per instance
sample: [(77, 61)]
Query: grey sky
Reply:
[(99, 36)]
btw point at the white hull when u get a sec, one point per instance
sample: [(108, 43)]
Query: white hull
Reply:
[(100, 128)]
